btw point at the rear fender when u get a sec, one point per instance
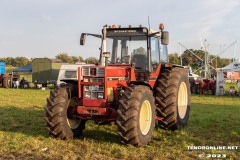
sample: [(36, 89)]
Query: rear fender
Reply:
[(170, 66), (140, 83)]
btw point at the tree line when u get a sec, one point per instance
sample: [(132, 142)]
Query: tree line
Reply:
[(188, 59), (197, 60), (22, 61)]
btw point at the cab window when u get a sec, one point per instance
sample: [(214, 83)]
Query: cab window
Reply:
[(155, 53), (164, 54)]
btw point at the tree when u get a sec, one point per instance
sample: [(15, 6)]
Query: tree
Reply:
[(64, 57), (174, 58), (80, 59), (190, 59), (21, 61), (16, 62), (139, 50), (91, 60), (10, 61), (2, 59), (74, 59), (69, 59)]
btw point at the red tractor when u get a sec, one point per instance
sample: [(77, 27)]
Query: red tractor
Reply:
[(132, 84), (6, 79)]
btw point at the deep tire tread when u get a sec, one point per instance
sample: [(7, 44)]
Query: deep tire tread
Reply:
[(56, 114), (166, 94), (128, 111)]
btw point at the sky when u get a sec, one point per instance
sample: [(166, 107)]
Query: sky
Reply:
[(45, 28)]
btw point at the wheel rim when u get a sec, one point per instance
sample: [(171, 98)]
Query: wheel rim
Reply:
[(72, 122), (182, 100), (9, 83), (145, 118)]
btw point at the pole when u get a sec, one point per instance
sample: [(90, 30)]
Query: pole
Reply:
[(205, 62), (223, 50), (180, 50), (209, 68), (234, 52), (190, 51)]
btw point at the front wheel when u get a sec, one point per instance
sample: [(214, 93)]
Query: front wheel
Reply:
[(136, 115), (60, 114)]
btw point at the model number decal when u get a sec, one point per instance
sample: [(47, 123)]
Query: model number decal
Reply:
[(125, 31)]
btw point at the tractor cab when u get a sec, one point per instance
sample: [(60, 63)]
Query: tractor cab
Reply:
[(140, 47), (144, 48)]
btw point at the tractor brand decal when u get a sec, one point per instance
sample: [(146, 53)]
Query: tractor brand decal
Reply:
[(93, 88), (125, 31)]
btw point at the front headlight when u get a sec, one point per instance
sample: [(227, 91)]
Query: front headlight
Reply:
[(100, 95)]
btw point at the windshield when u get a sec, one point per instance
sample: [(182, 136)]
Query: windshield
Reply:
[(128, 50)]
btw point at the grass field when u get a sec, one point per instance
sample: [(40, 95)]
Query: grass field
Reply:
[(214, 121)]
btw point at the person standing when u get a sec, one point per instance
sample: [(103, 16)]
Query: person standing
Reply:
[(238, 84)]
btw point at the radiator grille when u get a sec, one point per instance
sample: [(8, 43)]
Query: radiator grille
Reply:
[(93, 72)]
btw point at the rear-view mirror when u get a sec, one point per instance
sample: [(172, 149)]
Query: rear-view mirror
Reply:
[(165, 38)]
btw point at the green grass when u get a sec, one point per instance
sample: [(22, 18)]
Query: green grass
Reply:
[(213, 121)]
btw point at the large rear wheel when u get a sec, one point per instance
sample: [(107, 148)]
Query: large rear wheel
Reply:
[(7, 82), (173, 98), (136, 115), (60, 114)]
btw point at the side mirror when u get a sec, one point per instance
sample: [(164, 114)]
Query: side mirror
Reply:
[(165, 38), (82, 39)]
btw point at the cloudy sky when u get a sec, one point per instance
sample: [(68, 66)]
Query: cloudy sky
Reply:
[(44, 28)]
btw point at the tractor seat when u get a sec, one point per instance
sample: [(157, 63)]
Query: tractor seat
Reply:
[(140, 61)]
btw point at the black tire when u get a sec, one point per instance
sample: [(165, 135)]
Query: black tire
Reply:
[(192, 84), (171, 85), (197, 89), (7, 82), (57, 117), (136, 108)]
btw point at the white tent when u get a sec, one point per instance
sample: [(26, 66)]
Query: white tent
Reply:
[(233, 67)]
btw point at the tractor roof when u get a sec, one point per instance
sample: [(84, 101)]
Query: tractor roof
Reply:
[(135, 31)]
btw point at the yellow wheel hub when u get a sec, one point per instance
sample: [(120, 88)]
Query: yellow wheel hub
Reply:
[(145, 118), (182, 100)]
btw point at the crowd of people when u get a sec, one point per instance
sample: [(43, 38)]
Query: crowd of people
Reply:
[(22, 84)]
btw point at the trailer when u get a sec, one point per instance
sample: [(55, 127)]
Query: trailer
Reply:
[(68, 73), (45, 71)]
